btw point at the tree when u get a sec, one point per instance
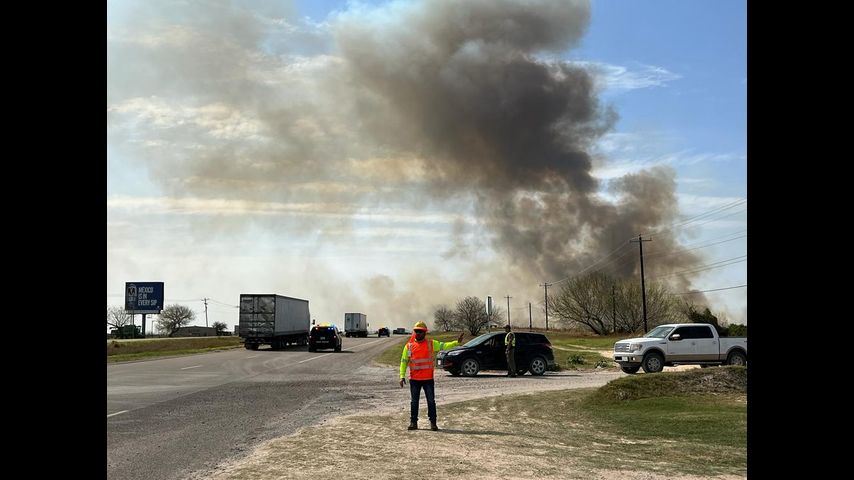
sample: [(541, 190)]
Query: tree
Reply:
[(444, 318), (661, 306), (117, 317), (174, 317), (219, 326), (470, 314), (585, 301)]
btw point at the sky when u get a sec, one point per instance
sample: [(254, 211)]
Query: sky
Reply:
[(390, 157)]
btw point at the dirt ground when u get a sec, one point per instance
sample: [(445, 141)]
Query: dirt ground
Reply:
[(375, 444)]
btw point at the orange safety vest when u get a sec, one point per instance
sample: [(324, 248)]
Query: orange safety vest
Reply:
[(420, 359)]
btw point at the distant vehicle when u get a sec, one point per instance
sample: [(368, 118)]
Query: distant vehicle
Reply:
[(273, 320), (126, 331), (679, 344), (355, 325), (486, 352), (400, 331), (383, 332), (324, 337)]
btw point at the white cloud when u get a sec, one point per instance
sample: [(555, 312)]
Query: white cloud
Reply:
[(219, 206), (619, 78)]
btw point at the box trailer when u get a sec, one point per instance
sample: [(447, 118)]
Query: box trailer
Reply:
[(355, 325), (275, 320)]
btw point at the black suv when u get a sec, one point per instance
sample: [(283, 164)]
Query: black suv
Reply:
[(383, 331), (324, 336), (486, 352)]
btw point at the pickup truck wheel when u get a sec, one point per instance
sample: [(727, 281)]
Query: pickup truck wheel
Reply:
[(632, 369), (736, 358), (652, 363), (538, 366), (469, 367)]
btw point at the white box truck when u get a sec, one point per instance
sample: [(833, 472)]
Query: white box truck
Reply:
[(355, 325)]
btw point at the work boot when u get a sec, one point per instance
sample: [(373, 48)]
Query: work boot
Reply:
[(412, 426), (433, 426)]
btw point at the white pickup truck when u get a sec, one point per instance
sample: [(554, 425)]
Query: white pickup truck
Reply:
[(679, 344)]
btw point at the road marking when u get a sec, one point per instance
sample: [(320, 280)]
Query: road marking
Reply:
[(194, 366), (314, 358), (117, 413), (253, 356), (366, 344)]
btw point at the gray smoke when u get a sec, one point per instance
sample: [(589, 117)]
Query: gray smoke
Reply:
[(411, 104)]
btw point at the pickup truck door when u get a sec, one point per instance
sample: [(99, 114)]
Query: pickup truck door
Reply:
[(707, 346), (682, 349)]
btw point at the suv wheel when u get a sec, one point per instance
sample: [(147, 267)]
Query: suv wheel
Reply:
[(470, 367), (537, 366)]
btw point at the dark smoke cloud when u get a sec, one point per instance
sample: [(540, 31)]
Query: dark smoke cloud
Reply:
[(421, 103)]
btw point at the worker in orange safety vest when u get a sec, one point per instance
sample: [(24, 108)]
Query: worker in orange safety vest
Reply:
[(418, 356)]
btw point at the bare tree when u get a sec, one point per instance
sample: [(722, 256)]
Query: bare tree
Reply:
[(174, 317), (219, 326), (470, 314), (444, 318), (117, 316), (662, 307), (585, 301)]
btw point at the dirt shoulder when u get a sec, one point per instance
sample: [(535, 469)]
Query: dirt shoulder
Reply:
[(476, 440)]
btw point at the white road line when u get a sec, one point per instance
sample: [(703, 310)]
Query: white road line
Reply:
[(366, 344), (117, 413), (314, 358), (194, 366), (253, 356)]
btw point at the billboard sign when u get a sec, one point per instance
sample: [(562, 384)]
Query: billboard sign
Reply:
[(144, 297)]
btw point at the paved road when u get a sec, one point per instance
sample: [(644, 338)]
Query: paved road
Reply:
[(169, 418)]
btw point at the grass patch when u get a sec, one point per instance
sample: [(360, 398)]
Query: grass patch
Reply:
[(119, 350), (582, 360), (723, 380)]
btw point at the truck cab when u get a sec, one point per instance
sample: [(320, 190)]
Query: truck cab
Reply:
[(679, 344)]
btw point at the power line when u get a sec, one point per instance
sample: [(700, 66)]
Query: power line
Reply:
[(687, 221), (709, 266), (711, 290)]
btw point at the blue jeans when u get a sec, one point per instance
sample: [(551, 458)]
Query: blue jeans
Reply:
[(415, 387)]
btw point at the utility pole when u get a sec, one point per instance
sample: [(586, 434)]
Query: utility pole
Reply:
[(546, 298), (530, 318), (614, 304), (640, 241), (206, 311), (508, 297)]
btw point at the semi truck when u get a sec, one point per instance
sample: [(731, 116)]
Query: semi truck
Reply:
[(355, 325), (275, 320)]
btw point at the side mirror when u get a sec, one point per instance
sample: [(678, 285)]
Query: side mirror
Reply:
[(676, 337)]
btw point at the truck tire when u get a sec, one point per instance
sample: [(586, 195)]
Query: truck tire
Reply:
[(537, 366), (469, 367), (652, 362), (630, 370), (736, 358)]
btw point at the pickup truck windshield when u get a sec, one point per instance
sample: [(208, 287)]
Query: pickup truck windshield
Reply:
[(658, 332)]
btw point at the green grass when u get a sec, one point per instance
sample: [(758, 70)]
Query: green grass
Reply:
[(657, 430), (120, 350)]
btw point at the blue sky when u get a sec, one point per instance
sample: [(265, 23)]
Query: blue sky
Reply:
[(674, 71)]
